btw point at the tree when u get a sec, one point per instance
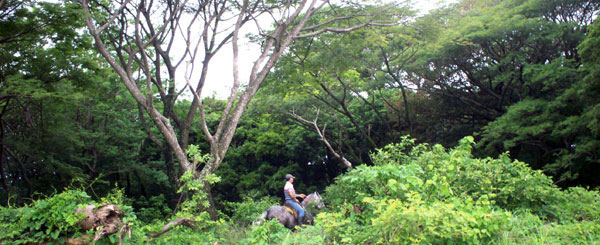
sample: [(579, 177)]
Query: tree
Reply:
[(63, 119), (358, 84), (480, 61), (510, 71), (137, 38), (559, 133)]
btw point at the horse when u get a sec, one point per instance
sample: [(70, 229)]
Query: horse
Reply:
[(284, 217)]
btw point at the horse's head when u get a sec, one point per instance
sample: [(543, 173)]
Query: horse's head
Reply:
[(314, 199)]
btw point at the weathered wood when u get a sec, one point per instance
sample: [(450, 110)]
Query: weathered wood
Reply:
[(107, 216), (180, 221), (90, 217)]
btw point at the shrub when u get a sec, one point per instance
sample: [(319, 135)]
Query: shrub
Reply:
[(576, 204), (153, 208), (50, 219), (394, 221), (454, 221), (244, 213), (383, 181), (527, 228), (270, 232), (428, 194)]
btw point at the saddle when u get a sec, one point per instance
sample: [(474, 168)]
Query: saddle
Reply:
[(291, 210)]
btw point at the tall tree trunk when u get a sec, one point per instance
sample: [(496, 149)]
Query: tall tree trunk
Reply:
[(212, 211), (170, 166), (406, 112), (2, 145), (2, 173)]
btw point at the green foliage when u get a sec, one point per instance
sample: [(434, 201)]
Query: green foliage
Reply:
[(50, 219), (575, 204), (268, 233), (559, 131), (198, 199), (452, 221), (193, 184), (152, 209), (424, 194), (205, 231), (528, 229), (415, 193), (196, 155), (53, 219), (249, 210)]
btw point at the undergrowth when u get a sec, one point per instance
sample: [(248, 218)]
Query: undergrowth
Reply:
[(414, 194)]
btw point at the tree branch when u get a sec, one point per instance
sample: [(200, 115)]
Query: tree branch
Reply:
[(180, 221), (321, 133)]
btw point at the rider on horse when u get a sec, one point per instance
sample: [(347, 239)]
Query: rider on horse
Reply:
[(290, 197)]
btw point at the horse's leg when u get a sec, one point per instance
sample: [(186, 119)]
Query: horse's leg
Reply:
[(290, 222)]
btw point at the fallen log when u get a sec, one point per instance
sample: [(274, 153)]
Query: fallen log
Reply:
[(180, 221), (106, 220)]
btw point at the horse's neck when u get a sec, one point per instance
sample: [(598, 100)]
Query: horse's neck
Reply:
[(306, 200)]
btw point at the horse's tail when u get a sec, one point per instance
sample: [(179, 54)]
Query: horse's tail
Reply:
[(262, 218)]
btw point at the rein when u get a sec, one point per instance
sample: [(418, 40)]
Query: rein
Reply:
[(307, 200)]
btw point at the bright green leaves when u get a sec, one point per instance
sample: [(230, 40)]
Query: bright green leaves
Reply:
[(448, 196), (557, 128), (49, 219), (195, 205), (196, 156), (195, 185), (455, 221)]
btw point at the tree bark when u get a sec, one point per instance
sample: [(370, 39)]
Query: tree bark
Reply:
[(321, 133), (180, 221)]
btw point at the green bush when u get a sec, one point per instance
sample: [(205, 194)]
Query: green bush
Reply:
[(428, 194), (152, 209), (575, 204), (205, 231), (378, 182), (246, 212), (455, 221), (53, 219), (508, 184), (395, 221), (270, 232), (529, 229), (50, 219)]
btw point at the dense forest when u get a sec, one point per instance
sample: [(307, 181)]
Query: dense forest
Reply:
[(476, 122)]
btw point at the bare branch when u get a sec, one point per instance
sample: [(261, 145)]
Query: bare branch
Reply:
[(321, 133), (341, 30), (313, 27), (197, 97), (180, 221), (112, 17)]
